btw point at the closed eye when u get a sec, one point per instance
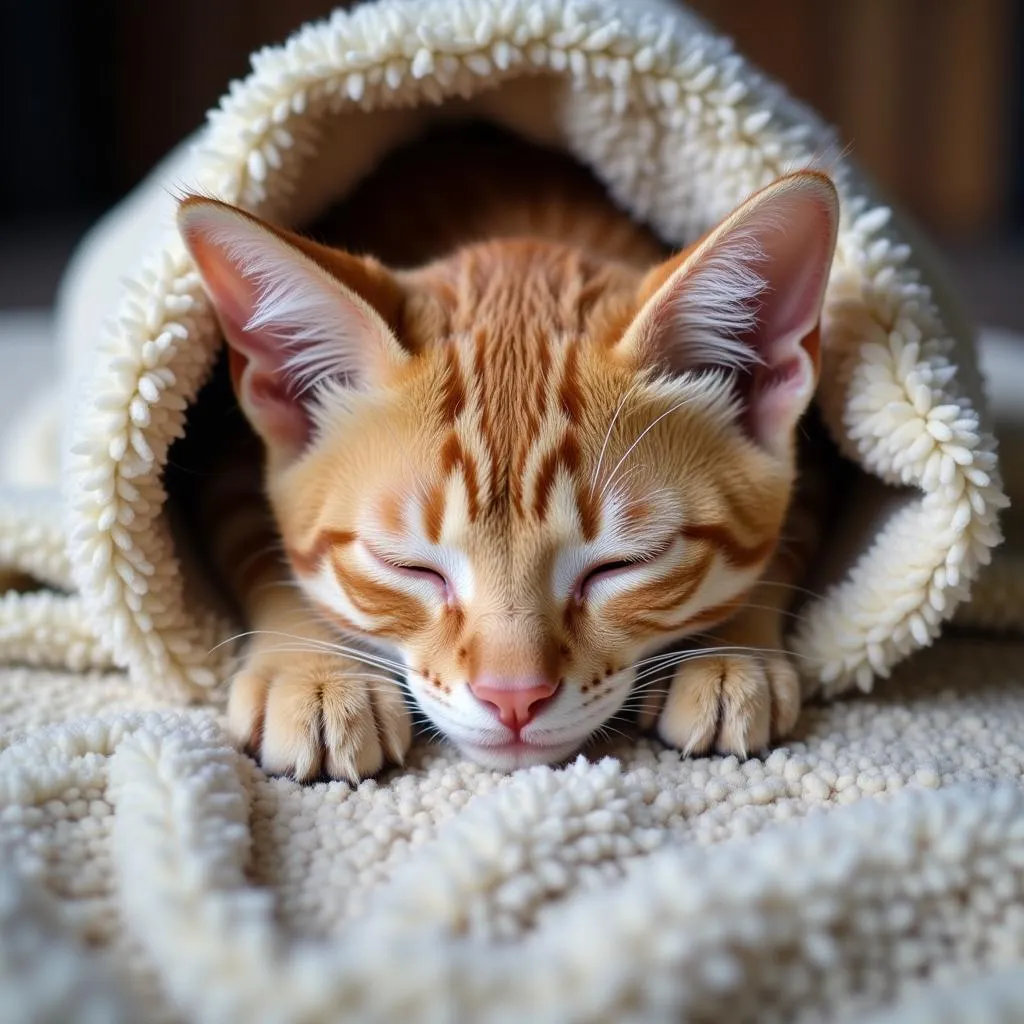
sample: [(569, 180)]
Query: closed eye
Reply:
[(608, 569), (413, 570), (605, 571), (602, 572)]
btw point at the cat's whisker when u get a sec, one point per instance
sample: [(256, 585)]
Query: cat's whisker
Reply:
[(327, 652), (764, 649), (704, 653), (650, 682), (718, 648), (231, 639), (322, 646), (779, 584), (623, 477), (652, 701), (650, 426), (650, 666), (666, 656), (356, 653), (369, 657), (608, 433), (651, 688), (434, 735), (607, 730), (386, 681), (681, 657), (795, 616)]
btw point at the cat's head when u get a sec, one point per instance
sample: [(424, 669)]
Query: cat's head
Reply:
[(521, 469)]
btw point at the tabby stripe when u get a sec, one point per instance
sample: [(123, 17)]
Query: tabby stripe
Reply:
[(663, 595), (482, 391), (516, 481), (567, 457), (453, 399), (742, 513), (713, 616), (589, 510), (530, 434), (735, 553), (401, 614), (720, 612), (569, 396), (433, 514), (345, 625), (308, 562), (454, 455), (392, 512)]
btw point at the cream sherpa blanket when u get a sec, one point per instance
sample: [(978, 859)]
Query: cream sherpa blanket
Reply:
[(148, 871)]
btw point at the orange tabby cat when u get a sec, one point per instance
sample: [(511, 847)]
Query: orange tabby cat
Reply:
[(507, 475)]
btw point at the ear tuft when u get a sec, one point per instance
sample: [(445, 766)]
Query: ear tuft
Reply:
[(717, 310), (747, 299), (291, 325)]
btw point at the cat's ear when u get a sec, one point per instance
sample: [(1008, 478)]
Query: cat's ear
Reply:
[(294, 315), (747, 298)]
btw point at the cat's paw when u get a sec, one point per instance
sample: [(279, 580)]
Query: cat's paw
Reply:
[(732, 704), (306, 715)]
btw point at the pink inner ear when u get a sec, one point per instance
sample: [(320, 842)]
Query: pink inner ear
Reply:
[(280, 416), (798, 253), (778, 395), (265, 394), (286, 322), (750, 299)]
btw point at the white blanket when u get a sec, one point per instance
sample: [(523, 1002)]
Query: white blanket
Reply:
[(876, 859), (150, 872)]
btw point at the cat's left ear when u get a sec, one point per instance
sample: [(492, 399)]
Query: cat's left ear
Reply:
[(294, 314), (747, 298)]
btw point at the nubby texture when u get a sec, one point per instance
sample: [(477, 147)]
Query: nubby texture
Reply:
[(131, 811)]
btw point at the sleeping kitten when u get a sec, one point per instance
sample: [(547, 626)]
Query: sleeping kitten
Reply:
[(505, 477)]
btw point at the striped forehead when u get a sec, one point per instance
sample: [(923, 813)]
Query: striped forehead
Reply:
[(511, 428)]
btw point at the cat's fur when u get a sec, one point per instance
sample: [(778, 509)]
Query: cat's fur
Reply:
[(453, 449)]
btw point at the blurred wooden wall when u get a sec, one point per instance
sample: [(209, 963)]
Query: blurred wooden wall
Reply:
[(926, 93), (922, 91)]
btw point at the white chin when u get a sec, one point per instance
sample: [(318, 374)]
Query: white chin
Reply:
[(509, 756)]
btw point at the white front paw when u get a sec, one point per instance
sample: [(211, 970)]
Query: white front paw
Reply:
[(309, 714), (732, 704)]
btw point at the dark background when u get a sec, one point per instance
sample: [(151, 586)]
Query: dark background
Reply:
[(929, 95)]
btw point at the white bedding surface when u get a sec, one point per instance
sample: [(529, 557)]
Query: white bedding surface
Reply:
[(120, 810)]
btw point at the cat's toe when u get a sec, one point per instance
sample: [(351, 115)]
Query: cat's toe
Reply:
[(292, 742), (364, 729), (786, 696), (247, 703), (732, 704), (309, 717)]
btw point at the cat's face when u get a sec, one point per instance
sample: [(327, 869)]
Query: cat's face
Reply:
[(520, 470)]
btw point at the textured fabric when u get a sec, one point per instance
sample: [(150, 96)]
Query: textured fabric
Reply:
[(874, 862), (870, 869)]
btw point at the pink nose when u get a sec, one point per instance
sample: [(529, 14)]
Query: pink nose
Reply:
[(516, 704)]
